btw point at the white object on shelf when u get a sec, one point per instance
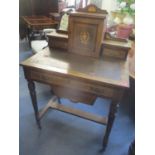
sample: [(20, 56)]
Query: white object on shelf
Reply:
[(128, 20), (117, 20), (38, 45)]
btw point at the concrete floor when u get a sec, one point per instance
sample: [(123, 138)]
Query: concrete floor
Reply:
[(64, 134)]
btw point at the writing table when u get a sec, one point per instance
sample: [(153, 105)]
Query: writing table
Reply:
[(80, 79), (36, 23)]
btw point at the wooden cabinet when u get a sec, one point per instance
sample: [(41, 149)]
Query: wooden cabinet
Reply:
[(86, 31)]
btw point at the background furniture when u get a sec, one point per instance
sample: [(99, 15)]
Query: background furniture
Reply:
[(37, 7), (40, 7), (58, 40), (35, 24)]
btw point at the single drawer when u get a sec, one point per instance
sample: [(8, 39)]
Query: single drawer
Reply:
[(72, 83), (58, 43), (116, 53), (116, 49)]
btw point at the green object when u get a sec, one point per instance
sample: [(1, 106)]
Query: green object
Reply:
[(127, 8)]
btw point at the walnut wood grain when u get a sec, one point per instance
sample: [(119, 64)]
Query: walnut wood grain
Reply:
[(35, 21), (103, 71), (104, 77), (31, 87), (86, 30), (112, 112), (57, 40), (86, 38), (116, 49), (75, 112), (45, 109), (74, 94)]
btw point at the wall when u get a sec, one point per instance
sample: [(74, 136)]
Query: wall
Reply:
[(109, 5)]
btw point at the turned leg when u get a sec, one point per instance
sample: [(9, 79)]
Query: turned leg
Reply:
[(28, 36), (58, 98), (31, 87), (111, 117), (59, 101)]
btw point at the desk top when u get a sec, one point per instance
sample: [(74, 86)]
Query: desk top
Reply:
[(38, 20), (103, 70)]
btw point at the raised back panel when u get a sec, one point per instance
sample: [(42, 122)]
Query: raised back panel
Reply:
[(86, 32)]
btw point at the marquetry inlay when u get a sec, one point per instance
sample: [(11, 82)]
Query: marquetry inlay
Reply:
[(84, 37)]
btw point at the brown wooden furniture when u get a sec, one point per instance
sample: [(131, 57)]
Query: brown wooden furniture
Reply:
[(80, 79), (131, 58), (36, 23), (116, 49), (86, 31), (38, 8), (110, 47), (55, 16), (57, 40)]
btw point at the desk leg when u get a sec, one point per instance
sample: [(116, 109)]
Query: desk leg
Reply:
[(58, 98), (59, 101), (111, 117), (32, 91), (28, 36)]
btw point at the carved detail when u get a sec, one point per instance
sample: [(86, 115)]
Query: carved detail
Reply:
[(91, 8), (84, 37)]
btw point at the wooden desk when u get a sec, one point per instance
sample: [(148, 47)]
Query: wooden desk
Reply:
[(84, 76), (36, 23)]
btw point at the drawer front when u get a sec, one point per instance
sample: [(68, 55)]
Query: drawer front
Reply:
[(46, 78), (58, 43), (72, 83), (116, 53)]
